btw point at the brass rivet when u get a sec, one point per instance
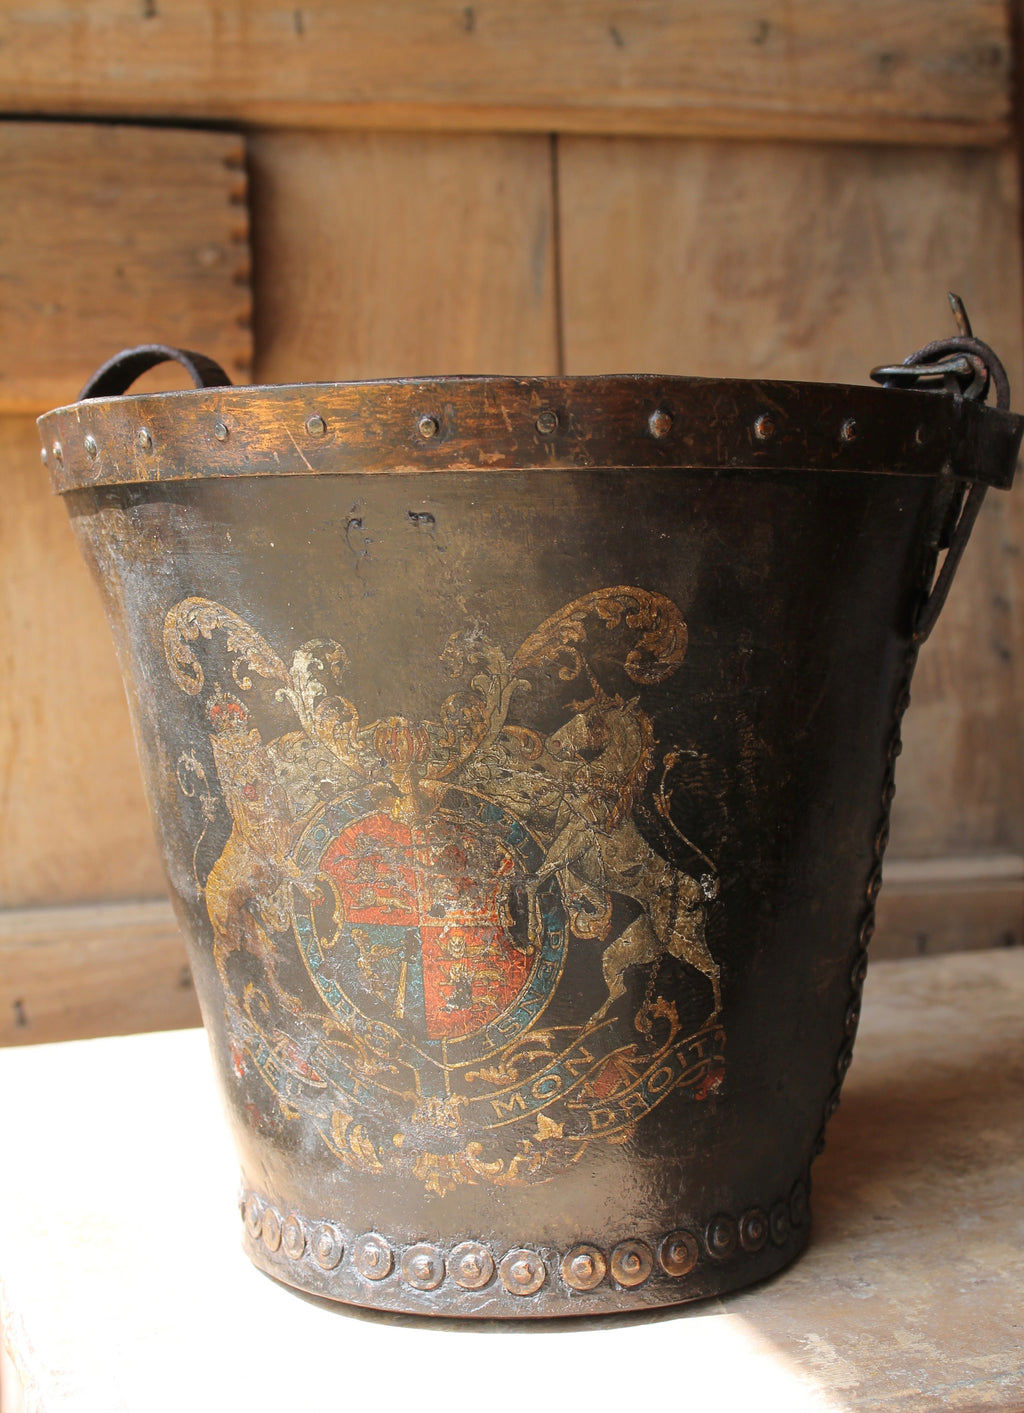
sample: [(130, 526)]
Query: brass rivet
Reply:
[(848, 431), (315, 425), (764, 428), (372, 1258), (679, 1253), (428, 427), (221, 431), (145, 439), (546, 423), (423, 1267), (91, 449), (327, 1246), (58, 453), (632, 1262), (584, 1267), (753, 1229), (659, 423), (271, 1229), (293, 1237), (471, 1265), (522, 1272)]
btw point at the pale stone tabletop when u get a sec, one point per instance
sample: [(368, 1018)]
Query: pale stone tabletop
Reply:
[(123, 1288)]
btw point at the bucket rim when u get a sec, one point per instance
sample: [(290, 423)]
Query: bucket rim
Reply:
[(480, 422)]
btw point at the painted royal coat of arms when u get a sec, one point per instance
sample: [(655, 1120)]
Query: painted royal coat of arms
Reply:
[(431, 877)]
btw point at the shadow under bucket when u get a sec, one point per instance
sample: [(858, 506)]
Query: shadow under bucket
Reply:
[(521, 752)]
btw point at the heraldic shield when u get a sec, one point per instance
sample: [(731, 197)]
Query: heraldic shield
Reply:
[(432, 877)]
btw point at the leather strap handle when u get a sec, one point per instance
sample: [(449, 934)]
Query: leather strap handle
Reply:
[(967, 369), (118, 373), (928, 613)]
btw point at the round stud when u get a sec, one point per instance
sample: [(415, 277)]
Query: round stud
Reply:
[(584, 1267), (753, 1229), (428, 427), (372, 1257), (632, 1263), (678, 1253), (522, 1272), (778, 1222), (471, 1265), (547, 422), (848, 431), (764, 428), (57, 451), (315, 425), (145, 439), (721, 1237), (659, 424), (271, 1229), (293, 1237), (327, 1246), (423, 1267), (798, 1204), (221, 431), (91, 448), (253, 1214)]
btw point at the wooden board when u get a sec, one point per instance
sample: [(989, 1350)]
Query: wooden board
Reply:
[(387, 255), (931, 906), (798, 261), (124, 1286), (879, 70), (73, 821), (71, 973), (112, 236)]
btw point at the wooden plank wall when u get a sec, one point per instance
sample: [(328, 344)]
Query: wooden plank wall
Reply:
[(878, 70), (559, 239)]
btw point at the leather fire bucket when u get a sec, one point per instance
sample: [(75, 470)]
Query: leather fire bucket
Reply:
[(521, 751)]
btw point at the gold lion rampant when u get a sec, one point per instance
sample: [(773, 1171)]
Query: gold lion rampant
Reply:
[(576, 790)]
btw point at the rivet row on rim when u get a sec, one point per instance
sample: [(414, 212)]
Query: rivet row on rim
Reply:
[(522, 1271), (659, 424)]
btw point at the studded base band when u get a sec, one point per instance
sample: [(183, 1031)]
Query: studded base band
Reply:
[(471, 1277)]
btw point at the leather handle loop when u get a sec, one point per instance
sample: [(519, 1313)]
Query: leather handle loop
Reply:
[(118, 373), (928, 613)]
